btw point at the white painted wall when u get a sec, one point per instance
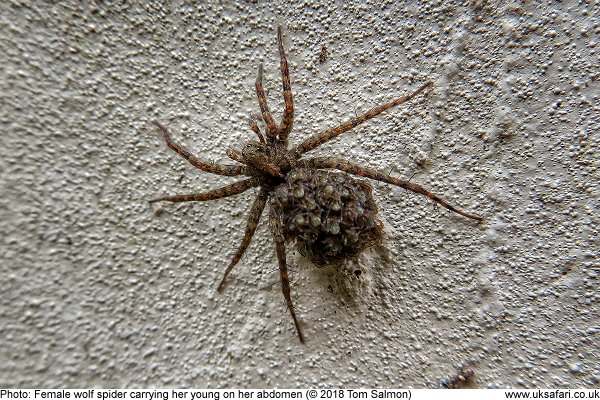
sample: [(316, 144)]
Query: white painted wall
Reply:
[(99, 288)]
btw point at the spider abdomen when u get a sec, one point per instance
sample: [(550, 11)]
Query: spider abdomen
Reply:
[(330, 215)]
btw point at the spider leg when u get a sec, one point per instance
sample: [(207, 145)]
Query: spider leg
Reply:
[(225, 191), (277, 231), (255, 212), (225, 170), (318, 139), (262, 102), (342, 165), (288, 116), (234, 155), (256, 129)]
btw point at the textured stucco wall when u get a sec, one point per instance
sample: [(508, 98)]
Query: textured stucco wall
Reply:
[(100, 288)]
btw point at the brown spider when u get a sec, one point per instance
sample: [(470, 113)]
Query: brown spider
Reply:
[(330, 215)]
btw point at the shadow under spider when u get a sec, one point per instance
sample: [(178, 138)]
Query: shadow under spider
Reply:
[(268, 163)]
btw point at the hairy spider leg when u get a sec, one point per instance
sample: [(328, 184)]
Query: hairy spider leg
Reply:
[(255, 212), (346, 166), (287, 119), (318, 139), (225, 191), (256, 129), (277, 231), (234, 155), (264, 108), (217, 169)]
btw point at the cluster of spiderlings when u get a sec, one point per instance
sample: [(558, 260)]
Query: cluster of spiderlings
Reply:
[(329, 215)]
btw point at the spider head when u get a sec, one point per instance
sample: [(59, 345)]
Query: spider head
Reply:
[(256, 155)]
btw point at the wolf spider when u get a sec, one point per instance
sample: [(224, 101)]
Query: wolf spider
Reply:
[(268, 161)]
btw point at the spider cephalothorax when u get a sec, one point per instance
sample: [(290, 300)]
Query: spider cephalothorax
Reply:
[(267, 161), (329, 215)]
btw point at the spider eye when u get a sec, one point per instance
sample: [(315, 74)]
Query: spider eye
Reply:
[(255, 146)]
